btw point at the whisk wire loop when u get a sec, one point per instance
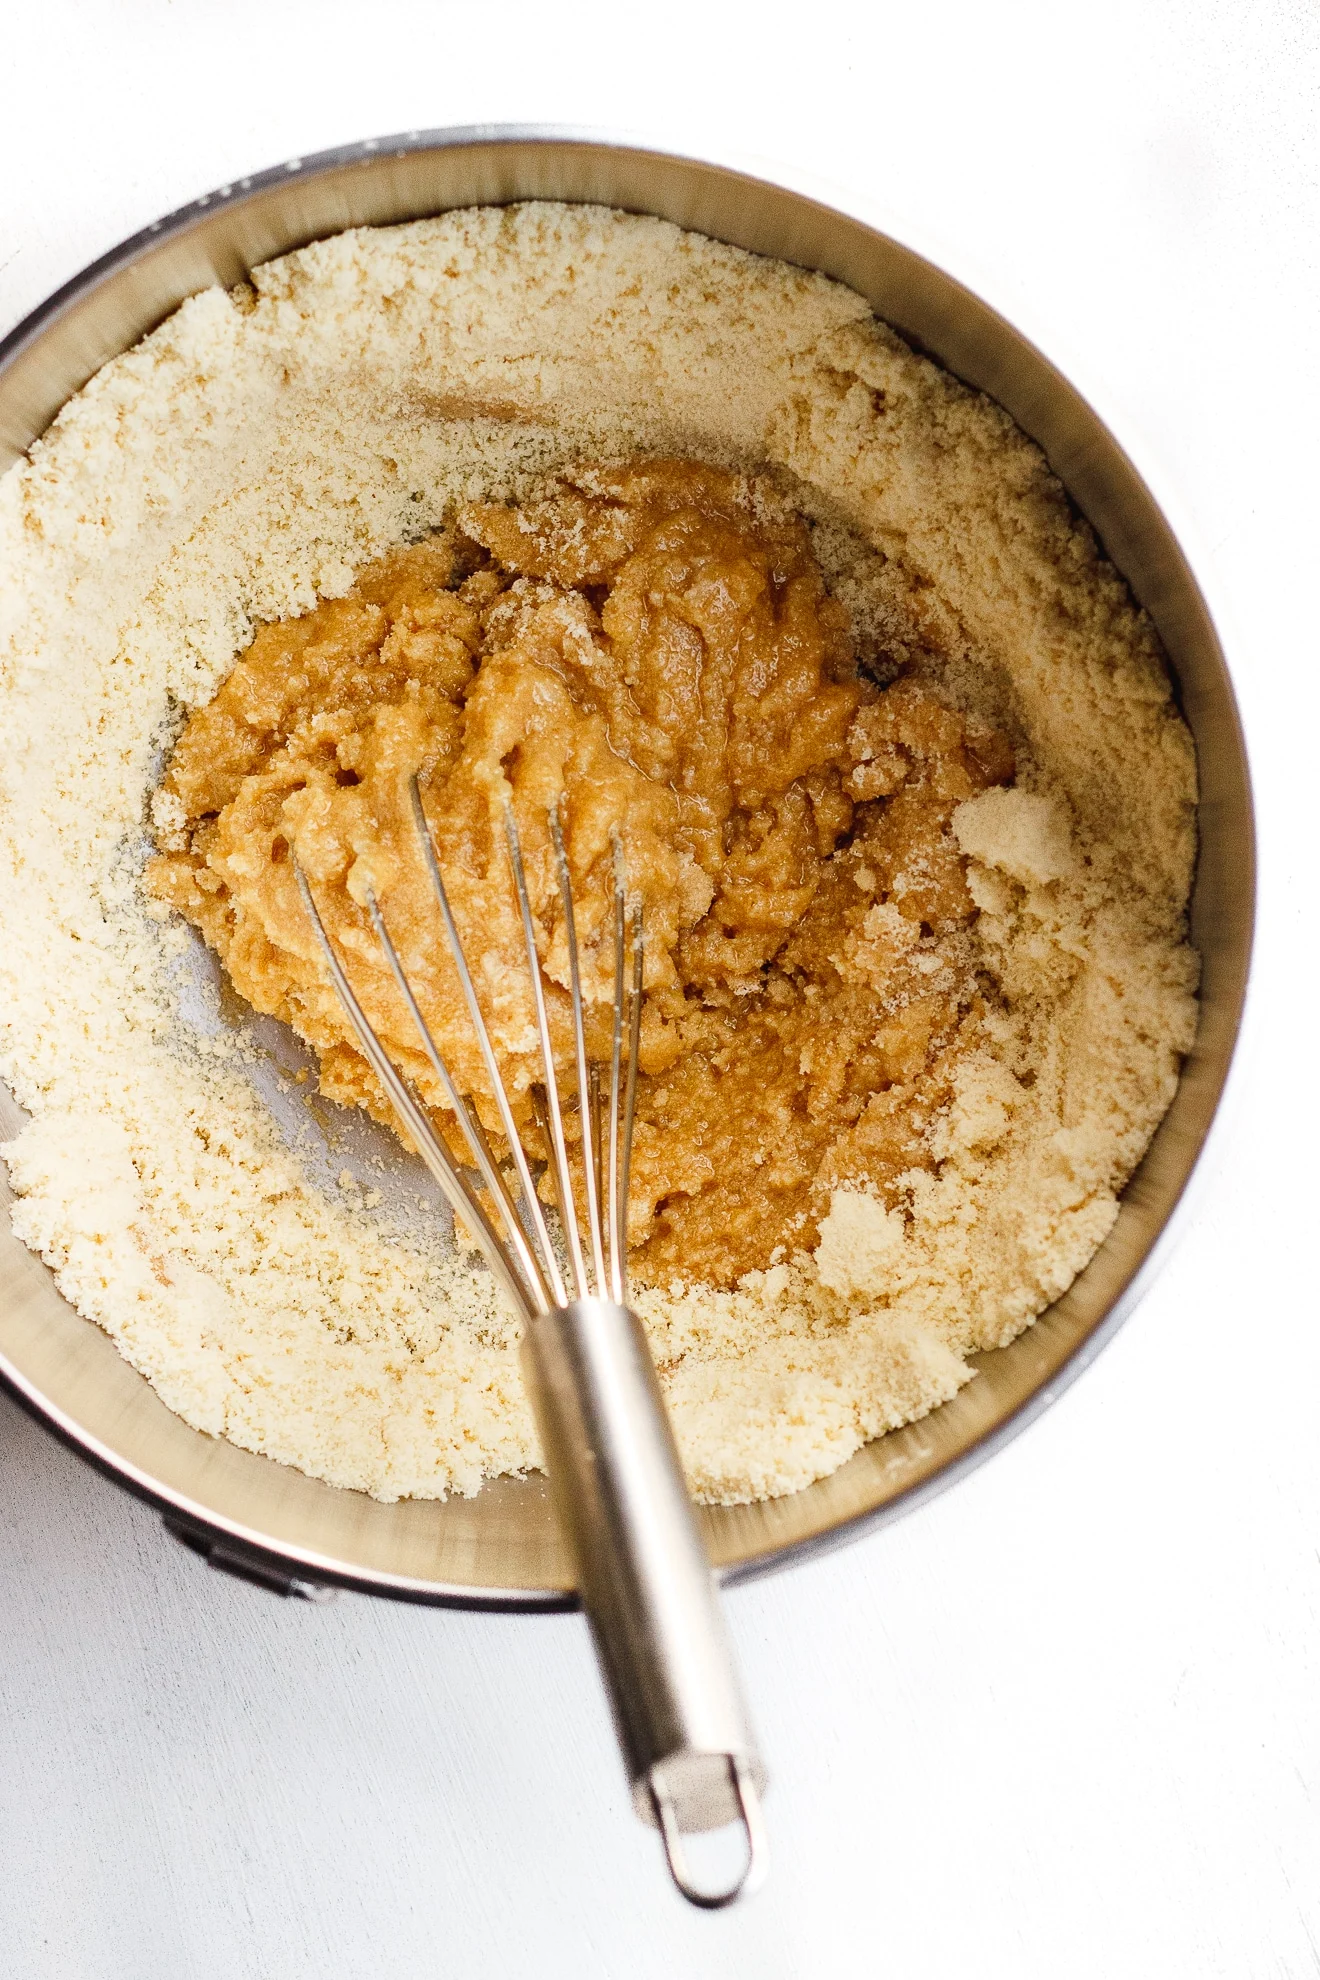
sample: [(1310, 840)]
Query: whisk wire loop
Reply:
[(618, 1268), (630, 1094), (461, 1197), (545, 1267), (466, 1115), (598, 1154), (550, 1116), (589, 1169)]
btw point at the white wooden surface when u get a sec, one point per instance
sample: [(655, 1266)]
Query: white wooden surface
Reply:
[(1065, 1721)]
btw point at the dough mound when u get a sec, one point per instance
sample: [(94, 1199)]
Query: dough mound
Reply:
[(810, 992)]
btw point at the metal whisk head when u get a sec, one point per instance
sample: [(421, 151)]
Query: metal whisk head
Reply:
[(516, 1240)]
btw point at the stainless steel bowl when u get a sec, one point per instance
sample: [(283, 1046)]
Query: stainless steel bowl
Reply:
[(502, 1548)]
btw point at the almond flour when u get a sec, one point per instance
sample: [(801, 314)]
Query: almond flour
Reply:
[(248, 459)]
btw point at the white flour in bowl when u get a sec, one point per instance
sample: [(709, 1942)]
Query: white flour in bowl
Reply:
[(247, 458)]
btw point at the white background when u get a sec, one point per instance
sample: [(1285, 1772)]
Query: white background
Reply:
[(1063, 1723)]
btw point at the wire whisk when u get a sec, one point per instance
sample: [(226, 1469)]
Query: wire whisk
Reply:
[(643, 1575)]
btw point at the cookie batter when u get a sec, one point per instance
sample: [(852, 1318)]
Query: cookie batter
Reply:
[(658, 647)]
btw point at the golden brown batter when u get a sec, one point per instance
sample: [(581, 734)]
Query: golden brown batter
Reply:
[(655, 644)]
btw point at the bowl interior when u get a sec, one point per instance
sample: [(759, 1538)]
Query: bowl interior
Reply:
[(502, 1547)]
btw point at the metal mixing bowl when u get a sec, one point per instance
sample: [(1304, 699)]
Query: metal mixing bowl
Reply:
[(502, 1548)]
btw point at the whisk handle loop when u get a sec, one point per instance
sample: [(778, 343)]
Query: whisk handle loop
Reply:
[(645, 1580)]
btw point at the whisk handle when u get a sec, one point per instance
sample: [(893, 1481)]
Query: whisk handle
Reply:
[(644, 1578)]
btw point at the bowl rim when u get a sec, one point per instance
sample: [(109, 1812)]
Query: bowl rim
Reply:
[(208, 1526)]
